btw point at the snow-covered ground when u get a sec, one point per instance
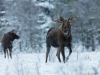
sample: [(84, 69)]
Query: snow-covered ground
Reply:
[(84, 63)]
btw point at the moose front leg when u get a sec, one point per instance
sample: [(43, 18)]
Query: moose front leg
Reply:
[(70, 51), (60, 49), (63, 54), (58, 55)]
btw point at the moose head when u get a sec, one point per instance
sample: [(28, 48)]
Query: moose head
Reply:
[(66, 27)]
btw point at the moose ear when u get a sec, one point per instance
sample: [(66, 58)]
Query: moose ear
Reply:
[(61, 18), (70, 19), (12, 31)]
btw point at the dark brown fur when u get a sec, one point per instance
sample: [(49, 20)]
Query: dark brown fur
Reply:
[(7, 41), (60, 37)]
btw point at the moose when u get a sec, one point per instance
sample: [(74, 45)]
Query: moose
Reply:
[(60, 37), (7, 41)]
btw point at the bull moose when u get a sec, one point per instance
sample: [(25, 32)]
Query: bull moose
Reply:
[(60, 37), (7, 41)]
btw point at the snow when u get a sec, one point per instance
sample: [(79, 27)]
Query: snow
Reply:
[(45, 4), (2, 12), (88, 63)]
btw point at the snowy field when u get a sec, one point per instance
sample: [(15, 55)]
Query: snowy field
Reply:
[(84, 63)]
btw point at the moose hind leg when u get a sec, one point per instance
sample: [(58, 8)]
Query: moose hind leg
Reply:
[(47, 53), (7, 53), (10, 50), (4, 53)]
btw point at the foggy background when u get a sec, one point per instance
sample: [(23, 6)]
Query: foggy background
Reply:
[(31, 20)]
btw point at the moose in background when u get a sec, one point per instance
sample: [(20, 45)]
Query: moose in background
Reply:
[(7, 41), (60, 37)]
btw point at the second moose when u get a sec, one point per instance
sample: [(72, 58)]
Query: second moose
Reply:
[(60, 37), (7, 41)]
